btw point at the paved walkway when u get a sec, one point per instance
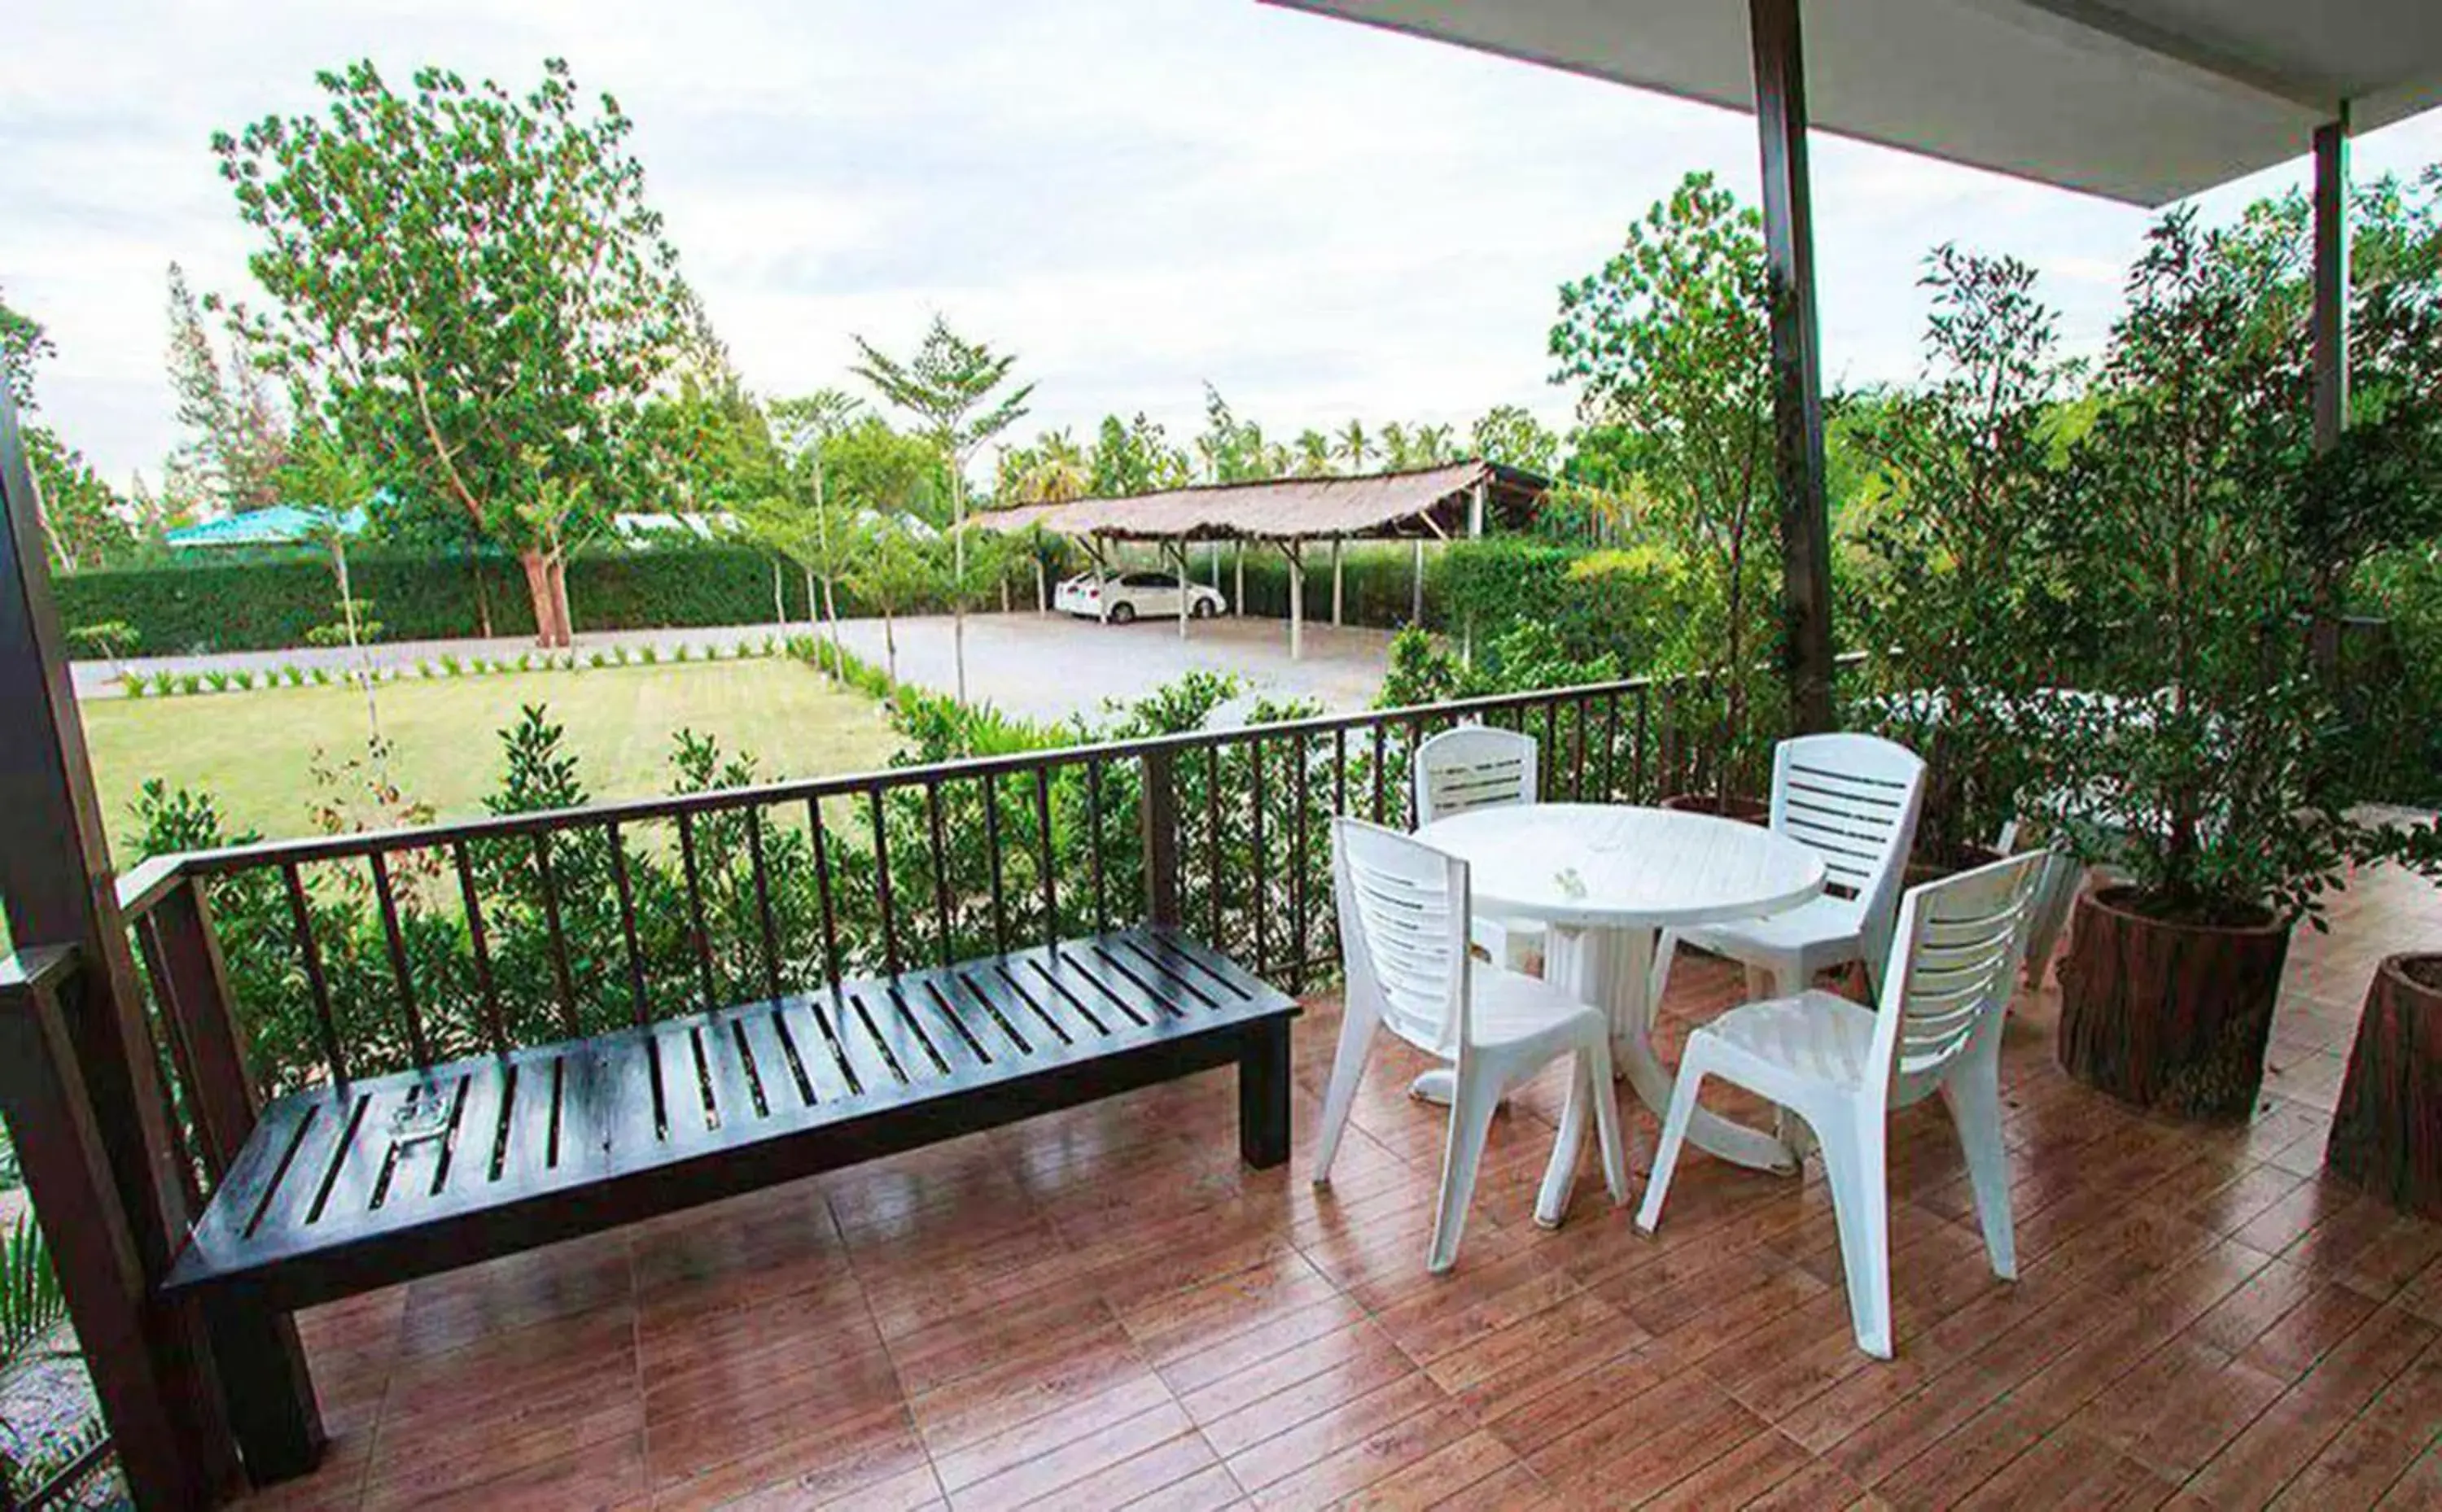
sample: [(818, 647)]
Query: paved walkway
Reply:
[(1040, 666)]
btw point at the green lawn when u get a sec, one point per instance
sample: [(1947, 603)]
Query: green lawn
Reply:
[(253, 751)]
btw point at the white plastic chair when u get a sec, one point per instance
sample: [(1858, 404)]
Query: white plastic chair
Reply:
[(1476, 766), (1842, 1067), (1403, 912), (1852, 799)]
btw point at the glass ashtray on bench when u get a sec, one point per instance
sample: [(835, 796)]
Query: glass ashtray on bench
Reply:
[(421, 1119)]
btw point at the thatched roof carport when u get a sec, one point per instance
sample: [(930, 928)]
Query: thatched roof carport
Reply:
[(1445, 502)]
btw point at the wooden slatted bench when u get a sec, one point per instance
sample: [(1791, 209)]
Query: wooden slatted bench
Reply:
[(333, 1195)]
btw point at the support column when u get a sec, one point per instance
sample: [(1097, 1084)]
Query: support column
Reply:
[(1417, 583), (1186, 584), (57, 890), (2331, 281), (1338, 584), (1297, 598), (1238, 564), (1796, 361)]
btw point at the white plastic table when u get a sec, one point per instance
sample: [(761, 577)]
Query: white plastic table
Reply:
[(1605, 880)]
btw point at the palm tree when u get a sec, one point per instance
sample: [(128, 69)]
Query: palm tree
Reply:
[(1313, 454), (1356, 447)]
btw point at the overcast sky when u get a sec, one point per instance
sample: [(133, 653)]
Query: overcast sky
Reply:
[(1137, 197)]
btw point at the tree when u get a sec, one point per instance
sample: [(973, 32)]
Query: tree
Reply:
[(236, 439), (1313, 453), (1236, 450), (892, 571), (1670, 340), (1135, 457), (952, 387), (1510, 435), (85, 522), (805, 520), (1355, 447), (465, 280)]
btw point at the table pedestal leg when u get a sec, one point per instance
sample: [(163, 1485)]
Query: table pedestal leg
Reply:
[(1612, 969)]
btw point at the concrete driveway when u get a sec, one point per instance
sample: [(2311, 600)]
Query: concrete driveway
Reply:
[(1039, 666), (1050, 666)]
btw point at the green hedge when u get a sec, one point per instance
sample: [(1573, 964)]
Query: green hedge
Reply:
[(270, 603)]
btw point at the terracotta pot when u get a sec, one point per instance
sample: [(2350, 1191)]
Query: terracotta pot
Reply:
[(2169, 1016), (1923, 868), (2387, 1134), (1745, 810)]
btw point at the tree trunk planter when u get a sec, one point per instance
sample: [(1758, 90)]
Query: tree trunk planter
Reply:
[(2169, 1016), (2387, 1136), (1745, 810)]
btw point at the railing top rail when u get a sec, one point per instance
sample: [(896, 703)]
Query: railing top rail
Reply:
[(145, 884)]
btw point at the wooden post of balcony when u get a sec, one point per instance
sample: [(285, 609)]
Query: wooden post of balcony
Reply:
[(191, 985), (1796, 362), (57, 889)]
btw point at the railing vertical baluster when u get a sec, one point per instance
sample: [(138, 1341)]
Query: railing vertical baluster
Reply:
[(485, 987), (173, 1039), (386, 896), (1339, 771), (823, 887), (310, 956), (1213, 875), (1408, 796), (1043, 855), (1298, 775), (191, 980), (1263, 894), (1550, 746), (560, 973), (882, 882), (1611, 747), (1094, 829), (1159, 816), (1643, 724), (636, 995), (993, 865), (939, 857), (1577, 780), (1381, 765), (763, 902), (700, 938)]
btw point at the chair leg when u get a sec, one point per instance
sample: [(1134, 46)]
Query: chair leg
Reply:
[(1973, 1094), (1760, 984), (1674, 1133), (1853, 1158), (1470, 1124), (1561, 1174), (1358, 1025)]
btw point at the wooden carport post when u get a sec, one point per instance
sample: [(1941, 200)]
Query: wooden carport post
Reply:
[(1186, 584), (1796, 365), (1338, 591), (1295, 551), (149, 1363)]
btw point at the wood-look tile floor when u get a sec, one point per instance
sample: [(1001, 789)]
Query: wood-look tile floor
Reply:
[(1102, 1309)]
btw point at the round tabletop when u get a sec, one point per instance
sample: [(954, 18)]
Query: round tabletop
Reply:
[(1592, 864)]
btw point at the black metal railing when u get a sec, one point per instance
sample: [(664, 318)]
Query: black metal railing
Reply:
[(282, 964)]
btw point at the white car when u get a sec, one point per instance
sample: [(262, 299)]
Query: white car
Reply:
[(1134, 595)]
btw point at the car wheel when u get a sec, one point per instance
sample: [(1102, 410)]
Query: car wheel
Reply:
[(1123, 613), (1206, 608)]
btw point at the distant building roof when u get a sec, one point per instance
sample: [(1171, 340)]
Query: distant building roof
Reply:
[(279, 525), (1428, 503)]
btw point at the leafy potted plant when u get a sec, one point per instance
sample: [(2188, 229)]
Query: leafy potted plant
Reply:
[(2201, 762), (1960, 465), (2387, 1128)]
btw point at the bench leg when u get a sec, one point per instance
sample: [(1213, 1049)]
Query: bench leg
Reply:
[(270, 1398), (1263, 1094)]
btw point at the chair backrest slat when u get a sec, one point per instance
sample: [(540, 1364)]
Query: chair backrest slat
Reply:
[(1952, 960), (1403, 916), (1854, 800), (1474, 766)]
